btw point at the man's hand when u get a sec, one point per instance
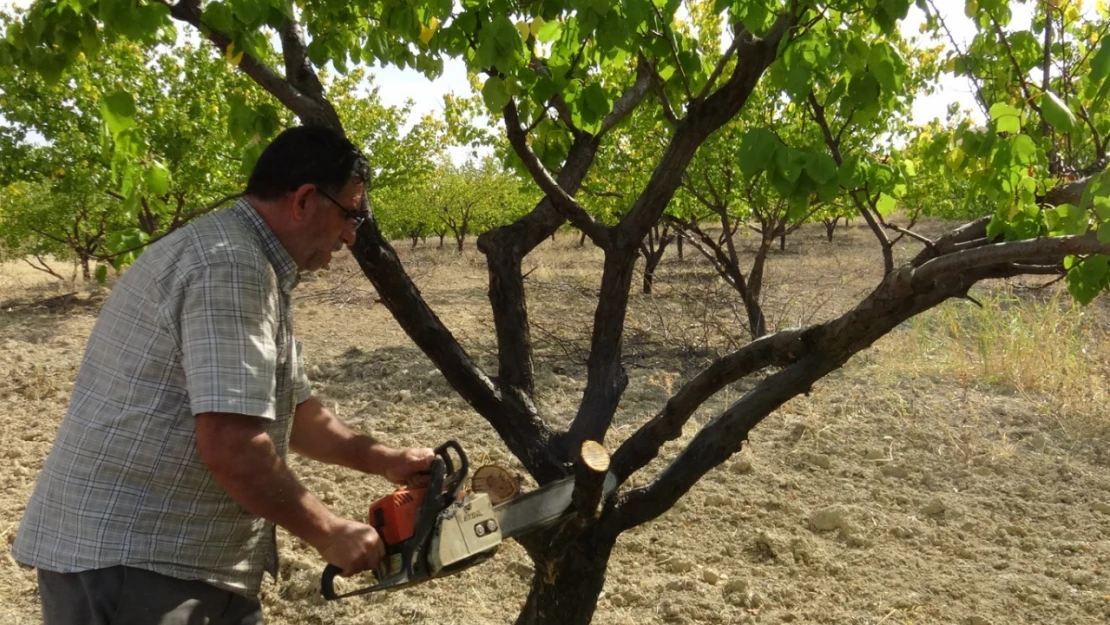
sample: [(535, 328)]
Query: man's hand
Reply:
[(405, 466), (353, 547)]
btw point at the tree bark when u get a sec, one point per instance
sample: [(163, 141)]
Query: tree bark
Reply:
[(568, 594)]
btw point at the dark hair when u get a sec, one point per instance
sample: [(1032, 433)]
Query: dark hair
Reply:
[(306, 155)]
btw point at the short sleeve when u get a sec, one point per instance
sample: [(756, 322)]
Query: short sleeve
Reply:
[(302, 388), (229, 321)]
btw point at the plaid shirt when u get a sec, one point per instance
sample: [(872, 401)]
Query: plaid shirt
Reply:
[(200, 323)]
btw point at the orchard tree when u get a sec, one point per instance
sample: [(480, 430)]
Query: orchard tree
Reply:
[(562, 76), (65, 135), (398, 158)]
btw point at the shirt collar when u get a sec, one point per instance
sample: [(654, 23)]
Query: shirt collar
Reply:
[(287, 274)]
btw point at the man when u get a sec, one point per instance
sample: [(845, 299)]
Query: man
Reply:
[(158, 500)]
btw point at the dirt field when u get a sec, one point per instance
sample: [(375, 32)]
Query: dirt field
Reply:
[(957, 472)]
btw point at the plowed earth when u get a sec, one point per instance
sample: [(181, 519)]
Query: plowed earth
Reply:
[(900, 490)]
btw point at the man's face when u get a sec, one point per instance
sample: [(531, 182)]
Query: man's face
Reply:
[(333, 224)]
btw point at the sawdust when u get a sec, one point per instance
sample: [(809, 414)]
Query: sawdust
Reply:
[(878, 498)]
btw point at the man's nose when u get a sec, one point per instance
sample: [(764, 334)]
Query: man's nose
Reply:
[(348, 235)]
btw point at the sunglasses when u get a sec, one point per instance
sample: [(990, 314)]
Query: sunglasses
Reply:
[(356, 216)]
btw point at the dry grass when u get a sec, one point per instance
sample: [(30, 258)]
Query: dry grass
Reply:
[(1038, 345)]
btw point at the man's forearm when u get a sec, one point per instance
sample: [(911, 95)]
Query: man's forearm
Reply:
[(320, 435), (253, 474)]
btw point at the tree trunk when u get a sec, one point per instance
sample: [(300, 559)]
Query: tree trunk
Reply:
[(571, 598), (442, 236), (830, 225), (86, 272), (678, 242), (582, 240), (782, 242), (459, 242), (756, 320), (651, 263)]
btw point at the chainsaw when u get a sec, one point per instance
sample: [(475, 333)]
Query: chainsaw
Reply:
[(440, 529)]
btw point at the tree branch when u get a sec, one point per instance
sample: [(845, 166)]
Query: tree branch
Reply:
[(309, 109), (562, 201), (644, 445), (811, 354), (1006, 253), (631, 98), (979, 97)]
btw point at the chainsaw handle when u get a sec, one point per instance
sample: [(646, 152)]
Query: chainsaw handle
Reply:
[(453, 480), (327, 582)]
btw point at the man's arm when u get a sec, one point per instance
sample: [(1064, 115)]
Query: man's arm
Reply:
[(320, 435), (244, 460)]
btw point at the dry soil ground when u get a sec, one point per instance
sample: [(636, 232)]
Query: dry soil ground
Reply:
[(954, 473)]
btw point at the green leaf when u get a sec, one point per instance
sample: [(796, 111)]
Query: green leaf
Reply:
[(1088, 278), (853, 172), (101, 274), (1104, 233), (118, 110), (1100, 73), (885, 205), (887, 66), (596, 100), (1102, 208), (1006, 118), (864, 91), (757, 148), (790, 162), (1023, 149), (131, 206), (820, 167), (1100, 62), (495, 93), (549, 31), (1066, 219), (157, 179), (1057, 113)]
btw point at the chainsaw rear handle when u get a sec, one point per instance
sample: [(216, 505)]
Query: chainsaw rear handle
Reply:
[(327, 582)]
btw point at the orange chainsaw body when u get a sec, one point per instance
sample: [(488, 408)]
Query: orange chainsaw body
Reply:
[(394, 516)]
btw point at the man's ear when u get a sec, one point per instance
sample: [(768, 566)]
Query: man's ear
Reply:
[(299, 201)]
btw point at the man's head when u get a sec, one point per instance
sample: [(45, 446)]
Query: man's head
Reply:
[(310, 187)]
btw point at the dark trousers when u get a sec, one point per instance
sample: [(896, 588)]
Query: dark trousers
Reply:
[(124, 595)]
